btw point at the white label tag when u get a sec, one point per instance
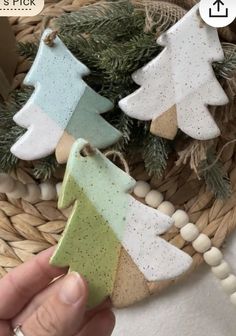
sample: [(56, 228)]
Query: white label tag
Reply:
[(21, 7)]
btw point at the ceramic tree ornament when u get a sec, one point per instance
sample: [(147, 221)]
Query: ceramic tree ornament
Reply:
[(111, 238), (62, 107), (177, 85)]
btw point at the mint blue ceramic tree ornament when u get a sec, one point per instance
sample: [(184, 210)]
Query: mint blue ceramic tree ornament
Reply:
[(62, 108)]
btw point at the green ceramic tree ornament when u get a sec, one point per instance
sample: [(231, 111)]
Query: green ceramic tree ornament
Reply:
[(106, 221)]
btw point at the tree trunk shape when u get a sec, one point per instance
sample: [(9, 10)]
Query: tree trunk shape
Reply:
[(63, 147), (130, 284), (166, 126)]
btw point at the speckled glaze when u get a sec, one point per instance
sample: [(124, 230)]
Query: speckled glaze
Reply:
[(60, 95), (89, 246), (105, 218), (155, 258), (99, 133), (181, 75)]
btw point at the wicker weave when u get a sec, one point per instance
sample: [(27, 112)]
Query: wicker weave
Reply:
[(27, 229)]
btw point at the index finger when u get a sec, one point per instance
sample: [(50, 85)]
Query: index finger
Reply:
[(19, 286)]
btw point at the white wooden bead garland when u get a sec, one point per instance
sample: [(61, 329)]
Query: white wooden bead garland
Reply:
[(181, 218), (202, 243), (167, 208), (213, 257), (32, 193), (141, 189), (154, 198), (48, 191), (229, 284), (222, 270), (190, 233)]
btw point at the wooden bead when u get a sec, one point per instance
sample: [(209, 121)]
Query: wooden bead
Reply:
[(233, 298), (181, 218), (58, 188), (222, 271), (213, 257), (48, 191), (189, 232), (154, 198), (166, 208), (33, 193), (141, 189), (19, 191), (229, 284), (202, 243), (7, 183)]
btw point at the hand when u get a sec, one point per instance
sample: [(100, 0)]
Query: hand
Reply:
[(43, 309)]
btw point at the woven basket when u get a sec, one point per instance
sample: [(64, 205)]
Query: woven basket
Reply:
[(27, 229)]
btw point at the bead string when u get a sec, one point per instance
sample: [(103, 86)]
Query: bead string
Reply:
[(31, 192), (190, 233)]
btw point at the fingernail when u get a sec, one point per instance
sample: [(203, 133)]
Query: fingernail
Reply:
[(72, 289)]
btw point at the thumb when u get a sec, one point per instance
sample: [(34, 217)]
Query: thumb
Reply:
[(61, 314)]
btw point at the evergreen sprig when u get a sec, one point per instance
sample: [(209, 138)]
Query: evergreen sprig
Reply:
[(125, 125), (215, 177), (110, 19), (122, 58), (27, 49), (155, 154), (45, 168), (227, 68)]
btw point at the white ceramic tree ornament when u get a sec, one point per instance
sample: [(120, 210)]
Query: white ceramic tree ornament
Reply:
[(179, 83), (108, 226), (62, 108)]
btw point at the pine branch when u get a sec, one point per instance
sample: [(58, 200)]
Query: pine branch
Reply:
[(8, 110), (45, 168), (85, 47), (108, 18), (27, 49), (155, 154), (126, 57), (7, 161), (227, 68), (7, 138), (124, 124), (215, 177)]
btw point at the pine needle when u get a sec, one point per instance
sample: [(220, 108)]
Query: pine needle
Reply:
[(45, 168), (215, 177), (109, 18), (227, 68), (155, 154), (124, 124), (27, 49)]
